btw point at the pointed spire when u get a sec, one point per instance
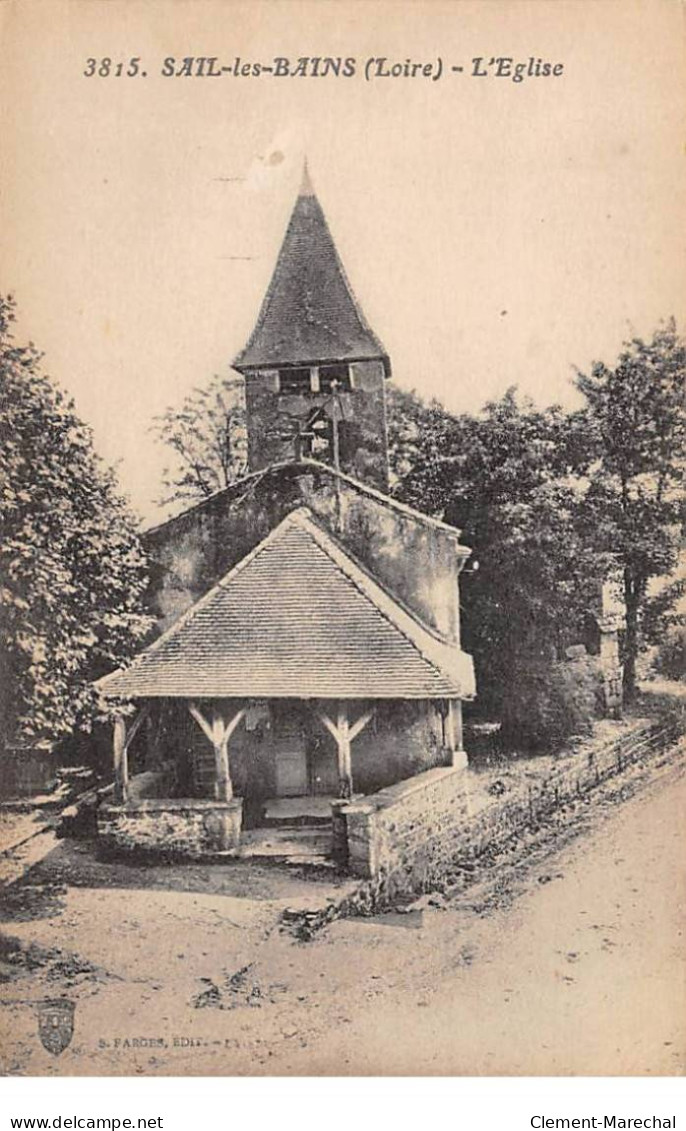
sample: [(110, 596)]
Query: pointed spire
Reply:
[(306, 186), (309, 313)]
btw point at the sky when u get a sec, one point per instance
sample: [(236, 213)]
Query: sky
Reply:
[(495, 233)]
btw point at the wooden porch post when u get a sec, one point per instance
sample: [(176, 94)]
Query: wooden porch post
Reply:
[(345, 768), (223, 786), (121, 742), (453, 731), (457, 725), (343, 734), (121, 767), (153, 737), (219, 734), (450, 726)]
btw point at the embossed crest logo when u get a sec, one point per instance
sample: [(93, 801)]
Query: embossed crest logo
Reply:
[(56, 1024)]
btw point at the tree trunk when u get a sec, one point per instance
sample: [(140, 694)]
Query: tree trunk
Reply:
[(631, 599)]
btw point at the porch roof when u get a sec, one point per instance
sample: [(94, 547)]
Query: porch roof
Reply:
[(297, 618)]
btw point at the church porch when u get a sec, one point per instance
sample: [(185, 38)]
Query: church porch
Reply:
[(262, 777), (296, 676)]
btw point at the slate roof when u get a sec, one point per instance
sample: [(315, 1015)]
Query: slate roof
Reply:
[(296, 618), (309, 313)]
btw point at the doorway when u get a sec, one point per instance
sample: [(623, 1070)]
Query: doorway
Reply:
[(291, 778), (291, 771), (305, 763)]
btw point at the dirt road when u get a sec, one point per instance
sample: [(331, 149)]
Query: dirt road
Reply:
[(585, 974), (564, 955)]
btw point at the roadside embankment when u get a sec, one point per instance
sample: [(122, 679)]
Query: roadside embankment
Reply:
[(436, 863)]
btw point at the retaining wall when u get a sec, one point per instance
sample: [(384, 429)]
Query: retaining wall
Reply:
[(171, 827), (406, 836), (403, 824)]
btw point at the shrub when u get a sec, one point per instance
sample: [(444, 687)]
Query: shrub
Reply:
[(551, 702), (670, 660)]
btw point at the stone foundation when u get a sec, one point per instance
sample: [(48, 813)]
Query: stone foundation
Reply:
[(394, 828), (172, 827)]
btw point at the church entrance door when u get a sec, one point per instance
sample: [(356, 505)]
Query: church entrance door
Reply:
[(290, 755), (291, 771)]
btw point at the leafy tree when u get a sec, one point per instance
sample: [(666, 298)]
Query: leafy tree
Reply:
[(207, 434), (72, 572), (634, 504), (510, 480)]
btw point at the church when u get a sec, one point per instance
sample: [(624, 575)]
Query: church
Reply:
[(308, 659)]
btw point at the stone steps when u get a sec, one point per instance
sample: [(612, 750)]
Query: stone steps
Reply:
[(300, 846), (296, 813), (303, 821)]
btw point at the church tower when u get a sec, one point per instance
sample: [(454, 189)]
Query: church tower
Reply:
[(314, 370)]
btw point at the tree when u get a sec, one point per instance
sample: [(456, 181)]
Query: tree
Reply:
[(208, 435), (634, 503), (510, 479), (71, 567)]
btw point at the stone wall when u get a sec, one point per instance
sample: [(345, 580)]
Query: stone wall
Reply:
[(183, 827), (409, 837), (407, 825), (531, 801)]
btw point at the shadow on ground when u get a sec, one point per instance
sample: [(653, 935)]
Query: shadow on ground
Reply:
[(76, 864)]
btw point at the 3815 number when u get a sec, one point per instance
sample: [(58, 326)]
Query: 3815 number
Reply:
[(104, 68)]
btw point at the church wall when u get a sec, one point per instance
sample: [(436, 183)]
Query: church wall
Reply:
[(402, 739), (192, 552), (364, 449), (415, 560)]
